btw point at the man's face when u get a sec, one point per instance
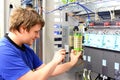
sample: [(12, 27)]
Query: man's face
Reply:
[(29, 37)]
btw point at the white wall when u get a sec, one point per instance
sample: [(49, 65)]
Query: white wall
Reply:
[(1, 17), (7, 10)]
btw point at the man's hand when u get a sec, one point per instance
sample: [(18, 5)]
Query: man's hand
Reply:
[(74, 56), (59, 56)]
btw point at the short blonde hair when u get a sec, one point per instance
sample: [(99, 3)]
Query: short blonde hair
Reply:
[(27, 17)]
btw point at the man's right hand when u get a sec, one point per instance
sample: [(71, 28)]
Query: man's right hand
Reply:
[(59, 56)]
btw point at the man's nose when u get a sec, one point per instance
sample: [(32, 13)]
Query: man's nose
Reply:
[(38, 35)]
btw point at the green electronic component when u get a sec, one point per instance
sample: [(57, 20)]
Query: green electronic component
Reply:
[(71, 0), (65, 1), (78, 42)]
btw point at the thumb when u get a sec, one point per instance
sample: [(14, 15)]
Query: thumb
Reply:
[(73, 51)]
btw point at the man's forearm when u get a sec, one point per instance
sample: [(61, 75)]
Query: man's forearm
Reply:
[(61, 68), (41, 73), (47, 70)]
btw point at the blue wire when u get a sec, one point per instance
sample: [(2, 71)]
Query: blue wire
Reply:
[(61, 8), (85, 10), (24, 2), (84, 7)]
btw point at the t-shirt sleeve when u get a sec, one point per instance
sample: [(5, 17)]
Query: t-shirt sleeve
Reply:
[(37, 62), (12, 66)]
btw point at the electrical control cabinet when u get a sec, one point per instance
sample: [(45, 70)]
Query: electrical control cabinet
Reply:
[(101, 49), (108, 69), (93, 59), (101, 38), (101, 45), (102, 61)]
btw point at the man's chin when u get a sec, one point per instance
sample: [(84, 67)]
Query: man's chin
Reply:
[(30, 44)]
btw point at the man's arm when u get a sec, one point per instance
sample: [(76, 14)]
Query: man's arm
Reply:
[(43, 73), (61, 68)]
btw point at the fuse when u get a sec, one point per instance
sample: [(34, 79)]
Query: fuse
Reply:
[(78, 42)]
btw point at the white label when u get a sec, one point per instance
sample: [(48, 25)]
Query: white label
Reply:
[(67, 48), (89, 58), (84, 57), (104, 62), (116, 66)]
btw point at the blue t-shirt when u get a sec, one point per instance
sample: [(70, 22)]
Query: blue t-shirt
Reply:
[(16, 61)]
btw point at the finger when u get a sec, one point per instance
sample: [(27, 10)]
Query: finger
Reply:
[(63, 58), (73, 52), (62, 51), (79, 53)]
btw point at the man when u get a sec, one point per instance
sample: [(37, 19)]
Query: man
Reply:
[(17, 60)]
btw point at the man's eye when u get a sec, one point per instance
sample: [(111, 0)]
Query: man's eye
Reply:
[(37, 32)]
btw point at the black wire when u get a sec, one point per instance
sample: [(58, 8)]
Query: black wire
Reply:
[(97, 77), (90, 77)]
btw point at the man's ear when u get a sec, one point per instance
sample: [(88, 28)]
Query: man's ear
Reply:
[(22, 29)]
